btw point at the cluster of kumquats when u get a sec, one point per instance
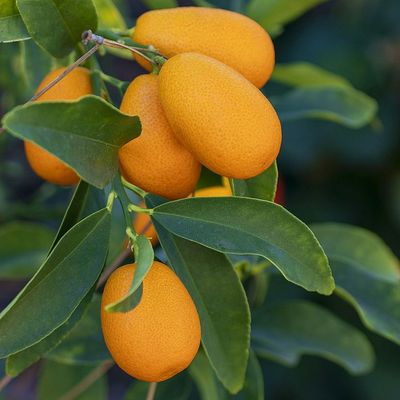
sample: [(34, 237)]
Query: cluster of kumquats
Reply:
[(204, 107)]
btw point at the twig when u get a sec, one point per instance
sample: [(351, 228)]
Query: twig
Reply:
[(87, 381), (152, 391), (5, 381)]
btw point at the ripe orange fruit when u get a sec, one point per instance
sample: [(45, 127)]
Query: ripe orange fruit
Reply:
[(213, 191), (232, 38), (161, 336), (219, 116), (50, 168), (155, 161), (143, 225)]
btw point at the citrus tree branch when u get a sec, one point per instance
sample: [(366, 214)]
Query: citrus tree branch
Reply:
[(152, 391), (5, 381)]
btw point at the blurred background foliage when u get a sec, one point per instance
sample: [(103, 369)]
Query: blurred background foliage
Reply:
[(331, 169)]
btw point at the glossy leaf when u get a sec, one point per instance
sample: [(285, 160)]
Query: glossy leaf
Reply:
[(286, 331), (23, 247), (274, 15), (144, 257), (18, 362), (86, 134), (109, 15), (255, 227), (342, 105), (56, 25), (56, 380), (84, 345), (12, 28), (154, 4), (262, 186), (58, 287), (209, 278)]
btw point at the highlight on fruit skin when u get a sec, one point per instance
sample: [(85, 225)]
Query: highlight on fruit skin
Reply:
[(155, 161), (161, 336), (219, 116), (73, 86), (229, 37)]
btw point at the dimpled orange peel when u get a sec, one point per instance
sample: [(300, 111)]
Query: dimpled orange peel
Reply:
[(161, 336), (232, 38), (155, 161), (73, 86), (219, 116)]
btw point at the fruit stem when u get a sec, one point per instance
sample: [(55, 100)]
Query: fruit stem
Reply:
[(134, 188), (134, 208), (120, 85), (110, 201), (152, 391)]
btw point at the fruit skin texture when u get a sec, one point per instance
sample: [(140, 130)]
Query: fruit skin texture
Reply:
[(50, 168), (229, 37), (220, 117), (143, 225), (155, 161), (213, 191), (161, 336)]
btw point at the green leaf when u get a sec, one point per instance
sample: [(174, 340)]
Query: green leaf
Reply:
[(286, 331), (18, 362), (262, 186), (85, 201), (23, 247), (342, 105), (12, 28), (57, 25), (109, 15), (155, 4), (178, 387), (273, 15), (56, 380), (35, 64), (144, 255), (366, 273), (58, 287), (86, 134), (209, 278), (303, 74), (84, 345), (238, 225), (360, 247)]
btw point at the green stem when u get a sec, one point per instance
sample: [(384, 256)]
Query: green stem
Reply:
[(134, 208), (110, 201), (120, 85), (123, 199), (134, 188)]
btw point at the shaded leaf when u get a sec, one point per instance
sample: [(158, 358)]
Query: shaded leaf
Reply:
[(262, 186), (255, 227), (58, 287), (12, 28), (23, 247), (144, 257), (57, 25), (86, 134), (56, 380), (154, 4), (342, 105), (288, 330), (220, 301)]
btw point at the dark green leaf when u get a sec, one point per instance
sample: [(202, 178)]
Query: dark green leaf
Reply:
[(303, 74), (286, 331), (56, 290), (18, 362), (177, 388), (85, 344), (57, 25), (154, 4), (23, 247), (144, 257), (255, 227), (360, 247), (342, 105), (220, 301), (56, 380), (86, 134), (262, 186), (273, 15), (12, 27)]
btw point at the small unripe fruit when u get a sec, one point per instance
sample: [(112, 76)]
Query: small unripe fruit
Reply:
[(155, 161), (232, 38), (219, 116), (161, 336), (73, 86)]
